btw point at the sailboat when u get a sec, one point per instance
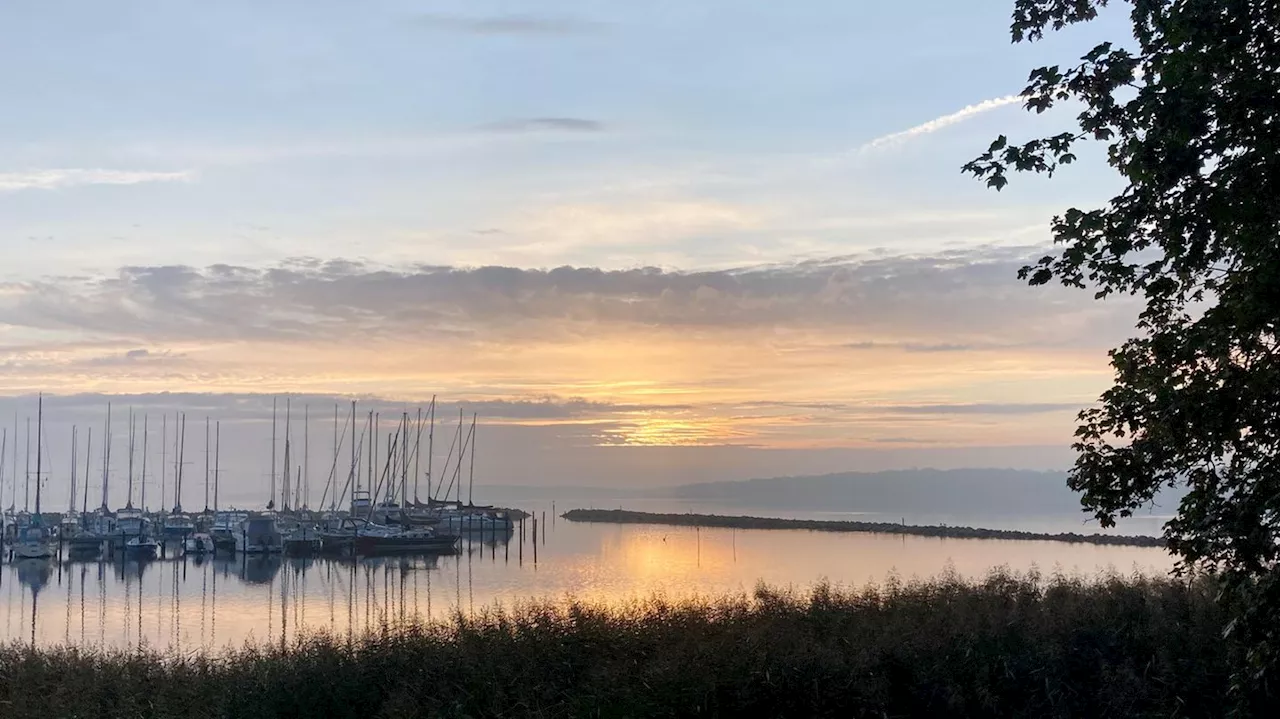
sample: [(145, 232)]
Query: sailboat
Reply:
[(132, 522), (259, 533), (177, 525), (35, 540), (74, 533)]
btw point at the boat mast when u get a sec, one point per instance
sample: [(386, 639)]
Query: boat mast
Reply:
[(128, 504), (217, 453), (177, 426), (417, 455), (143, 478), (354, 478), (462, 450), (181, 456), (306, 455), (373, 449), (88, 452), (431, 446), (164, 455), (106, 461), (287, 476), (471, 481), (336, 450), (13, 484), (4, 452), (404, 459), (271, 496), (206, 464), (448, 457), (26, 479), (71, 496), (39, 455)]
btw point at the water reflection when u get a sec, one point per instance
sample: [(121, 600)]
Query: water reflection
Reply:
[(219, 601)]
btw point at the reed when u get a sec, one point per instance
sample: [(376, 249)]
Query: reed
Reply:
[(1009, 645)]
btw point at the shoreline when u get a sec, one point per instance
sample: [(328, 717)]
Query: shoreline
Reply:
[(718, 521)]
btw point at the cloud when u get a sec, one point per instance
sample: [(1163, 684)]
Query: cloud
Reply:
[(256, 407), (939, 303), (54, 179), (508, 24), (1014, 408), (132, 358), (898, 138), (546, 124), (994, 408), (927, 347)]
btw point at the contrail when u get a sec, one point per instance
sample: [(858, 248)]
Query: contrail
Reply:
[(71, 177), (939, 123)]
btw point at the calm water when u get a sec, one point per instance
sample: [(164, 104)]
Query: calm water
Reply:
[(189, 604)]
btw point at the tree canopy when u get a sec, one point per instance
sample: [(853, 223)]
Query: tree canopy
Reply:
[(1189, 110)]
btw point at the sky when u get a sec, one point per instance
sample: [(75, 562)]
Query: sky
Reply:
[(644, 242)]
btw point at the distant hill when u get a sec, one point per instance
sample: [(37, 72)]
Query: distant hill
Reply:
[(960, 491), (908, 492)]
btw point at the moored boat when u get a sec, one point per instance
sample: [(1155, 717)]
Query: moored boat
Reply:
[(198, 544), (142, 547), (80, 541), (361, 536), (226, 525), (302, 540), (33, 542), (477, 520), (258, 534), (178, 526), (409, 540)]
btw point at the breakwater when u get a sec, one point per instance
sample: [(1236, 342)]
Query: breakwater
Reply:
[(623, 516)]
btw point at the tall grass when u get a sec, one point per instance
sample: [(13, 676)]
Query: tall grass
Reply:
[(1009, 645)]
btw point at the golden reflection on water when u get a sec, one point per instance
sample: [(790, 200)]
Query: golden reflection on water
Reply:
[(217, 603)]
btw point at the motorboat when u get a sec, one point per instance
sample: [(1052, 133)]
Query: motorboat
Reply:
[(130, 523), (258, 534), (226, 525)]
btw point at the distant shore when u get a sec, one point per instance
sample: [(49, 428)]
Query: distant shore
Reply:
[(624, 516)]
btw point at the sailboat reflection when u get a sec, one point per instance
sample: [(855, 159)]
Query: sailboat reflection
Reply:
[(34, 573)]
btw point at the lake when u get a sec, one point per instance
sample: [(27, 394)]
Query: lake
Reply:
[(189, 604)]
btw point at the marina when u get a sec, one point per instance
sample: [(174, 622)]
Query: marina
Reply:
[(390, 532), (201, 602), (378, 517)]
